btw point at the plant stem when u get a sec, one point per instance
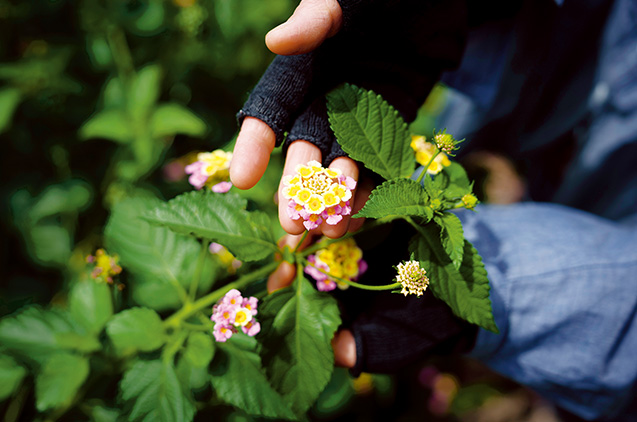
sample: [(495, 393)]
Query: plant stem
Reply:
[(190, 309), (424, 170), (298, 245), (196, 278), (353, 283)]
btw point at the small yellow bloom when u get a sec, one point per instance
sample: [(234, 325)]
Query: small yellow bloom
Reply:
[(304, 171), (331, 199), (333, 173), (303, 196), (315, 204), (290, 192), (341, 192), (412, 278)]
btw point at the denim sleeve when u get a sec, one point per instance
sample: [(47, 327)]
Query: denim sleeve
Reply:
[(564, 296)]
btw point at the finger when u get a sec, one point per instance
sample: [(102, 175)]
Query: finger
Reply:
[(251, 153), (311, 23), (299, 152), (344, 347), (363, 190), (281, 277), (348, 168)]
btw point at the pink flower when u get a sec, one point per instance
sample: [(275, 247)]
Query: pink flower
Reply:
[(325, 285), (197, 178), (234, 311), (221, 187)]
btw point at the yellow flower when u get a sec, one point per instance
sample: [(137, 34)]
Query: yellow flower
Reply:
[(412, 278), (304, 171), (315, 204), (303, 196), (331, 199), (425, 151)]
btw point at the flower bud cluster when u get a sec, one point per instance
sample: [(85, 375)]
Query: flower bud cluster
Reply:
[(106, 266), (412, 278), (234, 312), (317, 194), (425, 151), (445, 142), (212, 169), (342, 259)]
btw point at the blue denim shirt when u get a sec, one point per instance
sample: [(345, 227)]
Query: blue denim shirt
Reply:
[(563, 272)]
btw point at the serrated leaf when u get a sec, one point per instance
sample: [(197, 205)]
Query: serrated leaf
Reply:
[(465, 290), (11, 374), (457, 176), (9, 100), (111, 124), (298, 324), (136, 329), (36, 333), (238, 379), (91, 304), (199, 349), (153, 393), (370, 131), (161, 261), (59, 380), (401, 197), (172, 118), (219, 218), (451, 236)]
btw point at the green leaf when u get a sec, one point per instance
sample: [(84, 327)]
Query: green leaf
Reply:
[(452, 236), (458, 176), (59, 381), (136, 329), (9, 100), (298, 324), (111, 124), (172, 118), (465, 290), (35, 333), (11, 375), (91, 304), (370, 131), (199, 349), (220, 218), (161, 261), (238, 379), (145, 91), (153, 393), (401, 197)]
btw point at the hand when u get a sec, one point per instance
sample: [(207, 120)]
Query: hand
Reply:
[(397, 64)]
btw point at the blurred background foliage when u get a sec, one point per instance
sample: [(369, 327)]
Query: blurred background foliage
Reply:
[(105, 99)]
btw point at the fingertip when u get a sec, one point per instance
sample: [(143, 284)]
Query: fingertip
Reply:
[(311, 23), (281, 277), (344, 347), (251, 155)]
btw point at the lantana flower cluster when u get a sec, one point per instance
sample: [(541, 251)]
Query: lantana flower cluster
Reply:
[(212, 169), (413, 279), (425, 151), (106, 266), (318, 194), (234, 312), (342, 259), (231, 263)]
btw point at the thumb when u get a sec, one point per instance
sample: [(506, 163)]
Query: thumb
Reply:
[(311, 23)]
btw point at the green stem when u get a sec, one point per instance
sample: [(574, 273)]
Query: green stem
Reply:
[(353, 283), (206, 301), (298, 245), (424, 170), (173, 347), (196, 278), (121, 55)]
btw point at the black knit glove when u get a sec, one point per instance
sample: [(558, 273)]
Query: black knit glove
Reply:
[(398, 48), (391, 330)]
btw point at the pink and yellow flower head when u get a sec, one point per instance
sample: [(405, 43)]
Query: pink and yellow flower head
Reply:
[(212, 169), (106, 266), (342, 259), (412, 278), (425, 151), (234, 312), (317, 194)]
